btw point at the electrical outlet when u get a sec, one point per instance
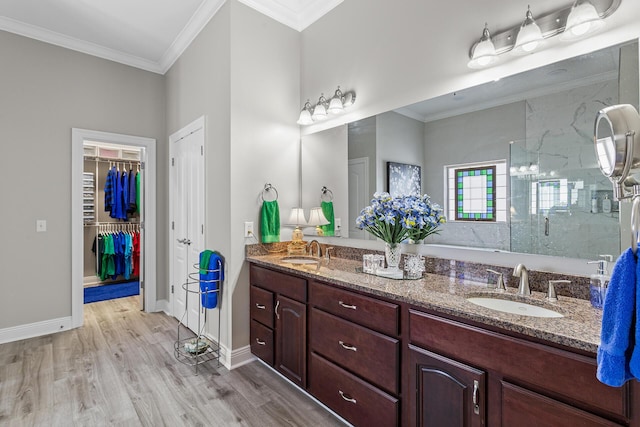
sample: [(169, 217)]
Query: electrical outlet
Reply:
[(338, 223), (248, 229), (41, 225)]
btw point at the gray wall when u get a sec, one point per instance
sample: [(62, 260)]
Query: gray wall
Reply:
[(398, 139), (242, 73), (46, 91), (474, 137)]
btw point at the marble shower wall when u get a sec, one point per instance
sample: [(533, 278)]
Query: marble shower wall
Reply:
[(559, 140)]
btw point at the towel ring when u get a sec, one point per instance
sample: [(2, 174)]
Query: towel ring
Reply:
[(268, 188), (326, 194)]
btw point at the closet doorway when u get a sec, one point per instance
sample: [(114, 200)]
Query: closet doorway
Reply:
[(113, 237)]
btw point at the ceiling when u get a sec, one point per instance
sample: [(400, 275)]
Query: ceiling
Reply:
[(147, 34)]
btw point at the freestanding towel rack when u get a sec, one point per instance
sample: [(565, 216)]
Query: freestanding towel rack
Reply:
[(196, 350)]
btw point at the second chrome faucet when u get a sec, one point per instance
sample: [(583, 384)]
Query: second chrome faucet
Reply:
[(521, 272)]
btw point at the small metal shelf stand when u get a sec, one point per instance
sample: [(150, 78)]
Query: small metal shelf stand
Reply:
[(196, 349)]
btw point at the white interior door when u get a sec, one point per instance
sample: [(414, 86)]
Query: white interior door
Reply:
[(187, 181), (358, 194)]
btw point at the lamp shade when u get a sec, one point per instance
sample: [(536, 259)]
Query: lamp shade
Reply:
[(582, 21), (296, 218), (335, 104), (484, 52), (529, 36), (320, 110), (316, 217), (305, 115)]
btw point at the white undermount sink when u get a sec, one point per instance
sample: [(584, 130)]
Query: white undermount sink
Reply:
[(300, 260), (513, 307)]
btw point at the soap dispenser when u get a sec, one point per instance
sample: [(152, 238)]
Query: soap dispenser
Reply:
[(600, 281)]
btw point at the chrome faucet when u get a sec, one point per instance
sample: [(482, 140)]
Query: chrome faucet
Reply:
[(310, 245), (521, 272)]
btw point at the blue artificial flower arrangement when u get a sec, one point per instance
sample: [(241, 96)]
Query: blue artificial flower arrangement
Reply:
[(395, 219)]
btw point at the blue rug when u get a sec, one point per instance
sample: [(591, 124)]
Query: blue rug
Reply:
[(111, 291)]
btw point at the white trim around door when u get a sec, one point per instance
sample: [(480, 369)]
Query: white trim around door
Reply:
[(78, 137)]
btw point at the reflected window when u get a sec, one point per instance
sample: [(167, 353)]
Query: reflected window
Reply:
[(477, 192), (550, 195)]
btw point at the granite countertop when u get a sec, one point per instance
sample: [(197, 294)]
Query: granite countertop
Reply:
[(578, 329)]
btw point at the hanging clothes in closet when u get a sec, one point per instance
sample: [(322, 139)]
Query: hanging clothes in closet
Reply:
[(116, 254), (121, 193)]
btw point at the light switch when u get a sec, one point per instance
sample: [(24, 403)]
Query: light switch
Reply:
[(41, 225)]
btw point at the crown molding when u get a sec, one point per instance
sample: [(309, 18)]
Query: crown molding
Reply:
[(298, 20), (52, 37), (198, 21)]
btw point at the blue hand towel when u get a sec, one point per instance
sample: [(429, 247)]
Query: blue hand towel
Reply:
[(618, 323), (211, 274)]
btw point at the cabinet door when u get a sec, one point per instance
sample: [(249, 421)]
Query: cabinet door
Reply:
[(444, 392), (291, 345)]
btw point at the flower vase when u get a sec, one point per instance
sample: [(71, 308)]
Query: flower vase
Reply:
[(392, 253)]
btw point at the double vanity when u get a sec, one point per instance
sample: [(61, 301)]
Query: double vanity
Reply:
[(386, 352)]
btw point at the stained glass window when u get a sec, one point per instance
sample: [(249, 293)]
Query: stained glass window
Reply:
[(477, 192)]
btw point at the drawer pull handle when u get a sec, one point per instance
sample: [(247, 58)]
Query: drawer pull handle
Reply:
[(347, 397), (277, 305), (260, 342), (476, 406), (260, 306), (352, 307), (347, 346)]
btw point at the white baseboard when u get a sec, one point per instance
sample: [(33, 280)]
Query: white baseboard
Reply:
[(31, 330), (240, 357), (163, 305)]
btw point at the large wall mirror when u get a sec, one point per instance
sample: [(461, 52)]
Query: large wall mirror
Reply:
[(533, 131)]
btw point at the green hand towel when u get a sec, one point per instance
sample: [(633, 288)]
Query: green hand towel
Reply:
[(270, 222), (327, 210), (205, 256)]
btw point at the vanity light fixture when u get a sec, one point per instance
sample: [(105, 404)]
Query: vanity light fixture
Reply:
[(529, 36), (484, 53), (320, 110), (305, 114), (583, 20), (579, 19), (336, 105)]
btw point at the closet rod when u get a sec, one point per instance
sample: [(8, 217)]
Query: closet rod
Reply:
[(109, 160), (110, 223)]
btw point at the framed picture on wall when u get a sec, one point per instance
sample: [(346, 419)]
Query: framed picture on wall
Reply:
[(403, 179)]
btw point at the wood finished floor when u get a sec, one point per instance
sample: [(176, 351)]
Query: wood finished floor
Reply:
[(119, 369)]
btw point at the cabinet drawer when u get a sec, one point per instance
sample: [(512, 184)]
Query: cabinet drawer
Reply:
[(367, 353), (262, 342), (559, 374), (355, 400), (279, 283), (525, 408), (262, 306), (370, 312)]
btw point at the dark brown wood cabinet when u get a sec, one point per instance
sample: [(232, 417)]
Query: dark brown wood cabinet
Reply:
[(445, 392), (378, 362), (354, 369), (291, 339), (531, 383), (278, 330)]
